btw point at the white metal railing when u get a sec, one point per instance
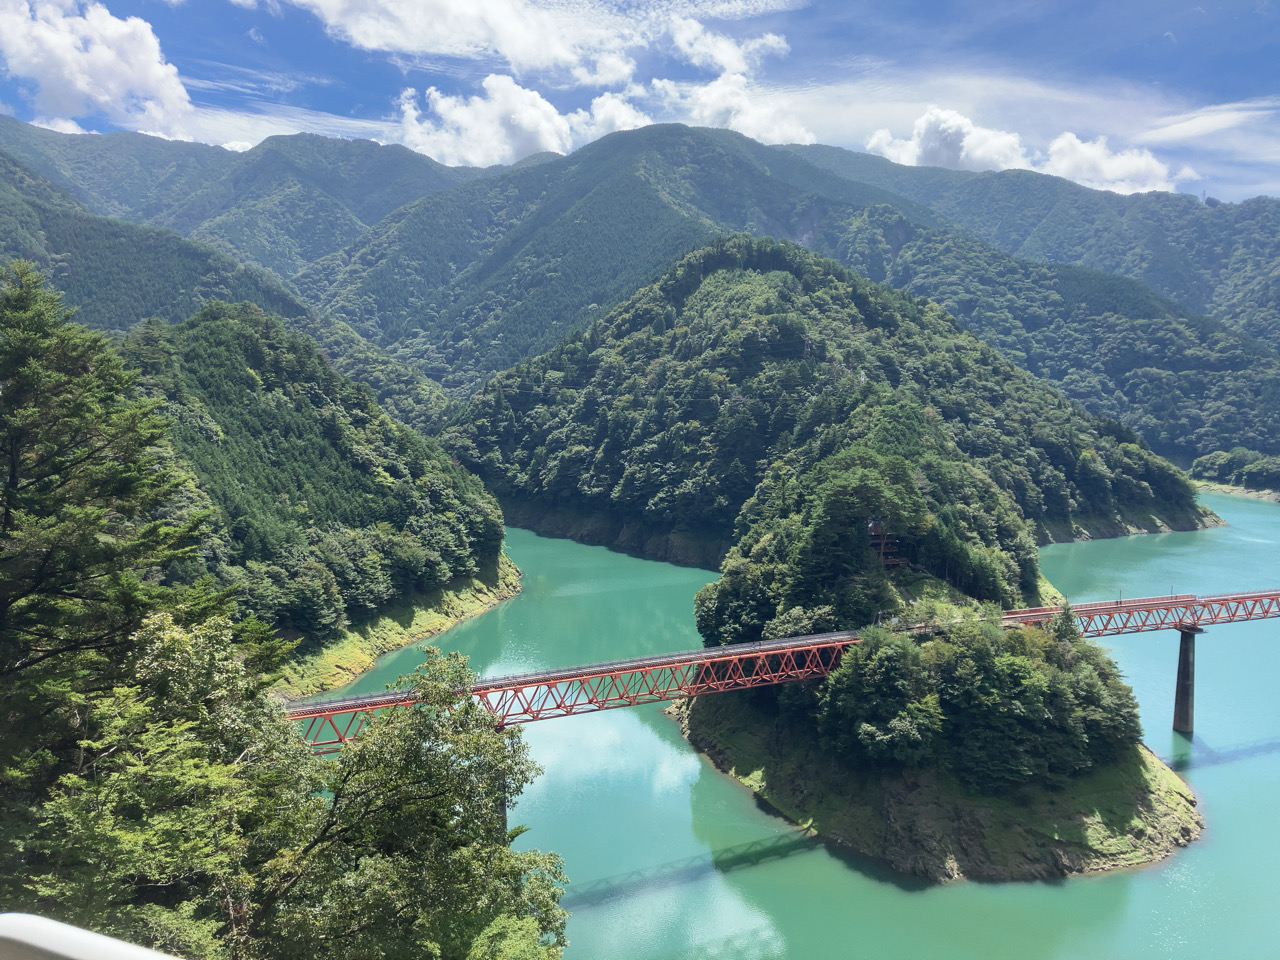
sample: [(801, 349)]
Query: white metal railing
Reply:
[(24, 936)]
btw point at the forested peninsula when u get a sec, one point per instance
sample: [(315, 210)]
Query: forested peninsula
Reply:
[(868, 461)]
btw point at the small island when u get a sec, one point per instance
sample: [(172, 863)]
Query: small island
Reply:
[(970, 751)]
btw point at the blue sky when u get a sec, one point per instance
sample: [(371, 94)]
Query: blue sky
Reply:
[(1131, 96)]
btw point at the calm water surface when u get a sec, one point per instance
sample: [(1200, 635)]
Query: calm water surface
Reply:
[(668, 859)]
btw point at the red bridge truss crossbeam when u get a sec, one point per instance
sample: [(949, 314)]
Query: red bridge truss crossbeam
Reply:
[(1112, 617), (600, 686), (626, 683)]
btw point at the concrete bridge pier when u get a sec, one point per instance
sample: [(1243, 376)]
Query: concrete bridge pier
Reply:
[(1184, 696)]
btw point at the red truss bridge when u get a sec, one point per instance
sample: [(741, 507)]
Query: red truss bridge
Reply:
[(568, 691)]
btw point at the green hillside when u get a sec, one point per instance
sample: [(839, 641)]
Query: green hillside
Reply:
[(286, 202), (329, 508), (1222, 259), (486, 268), (471, 280), (116, 272), (736, 384), (1188, 384)]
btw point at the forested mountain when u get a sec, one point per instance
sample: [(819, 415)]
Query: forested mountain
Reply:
[(117, 273), (114, 272), (730, 392), (1187, 384), (471, 278), (327, 508), (469, 281), (286, 202), (1222, 259)]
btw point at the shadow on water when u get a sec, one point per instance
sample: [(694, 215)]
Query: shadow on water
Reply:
[(684, 871), (1192, 753), (760, 944)]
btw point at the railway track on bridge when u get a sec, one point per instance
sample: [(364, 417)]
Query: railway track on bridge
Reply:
[(568, 691)]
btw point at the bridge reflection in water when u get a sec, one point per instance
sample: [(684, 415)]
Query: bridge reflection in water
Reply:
[(627, 683), (684, 871)]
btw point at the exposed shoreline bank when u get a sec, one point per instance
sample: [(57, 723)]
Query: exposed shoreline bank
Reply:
[(410, 621), (705, 549), (1226, 489), (923, 824)]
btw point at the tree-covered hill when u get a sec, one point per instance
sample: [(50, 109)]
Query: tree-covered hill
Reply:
[(753, 375), (151, 788), (115, 272), (328, 508), (1215, 258), (1188, 384), (280, 205), (472, 279)]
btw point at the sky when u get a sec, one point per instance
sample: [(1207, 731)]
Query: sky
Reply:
[(1129, 96)]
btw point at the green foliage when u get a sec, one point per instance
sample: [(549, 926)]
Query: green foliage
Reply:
[(330, 508), (1187, 385), (462, 273), (85, 473), (758, 392), (1239, 467), (195, 821), (149, 786), (117, 273), (288, 201), (997, 708)]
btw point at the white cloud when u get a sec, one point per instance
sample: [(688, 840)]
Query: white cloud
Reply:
[(83, 62), (947, 138), (732, 100), (587, 42), (60, 125), (609, 113), (506, 123), (1095, 165), (710, 50)]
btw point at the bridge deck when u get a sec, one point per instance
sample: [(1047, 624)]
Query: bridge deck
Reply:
[(566, 691)]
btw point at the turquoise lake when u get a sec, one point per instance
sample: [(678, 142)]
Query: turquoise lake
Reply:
[(669, 859)]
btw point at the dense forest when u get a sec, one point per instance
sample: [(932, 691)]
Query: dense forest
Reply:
[(1187, 384), (998, 709), (288, 201), (150, 788), (327, 507), (1212, 257), (754, 374), (1239, 467)]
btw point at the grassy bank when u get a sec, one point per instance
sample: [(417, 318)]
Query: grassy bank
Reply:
[(923, 823), (412, 620)]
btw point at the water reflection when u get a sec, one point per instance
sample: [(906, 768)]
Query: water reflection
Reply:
[(1194, 753), (688, 869)]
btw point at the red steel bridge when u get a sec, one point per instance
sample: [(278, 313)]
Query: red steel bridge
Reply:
[(564, 692)]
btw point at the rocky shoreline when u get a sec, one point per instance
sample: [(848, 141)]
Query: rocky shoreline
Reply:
[(924, 824)]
